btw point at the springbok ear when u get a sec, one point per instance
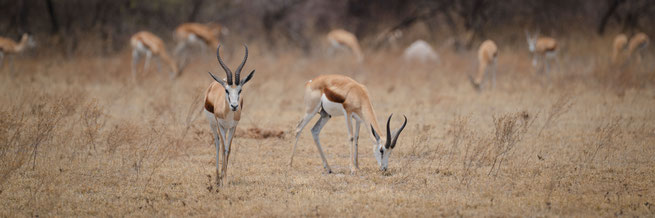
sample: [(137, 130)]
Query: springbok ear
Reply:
[(245, 80), (220, 81), (375, 134)]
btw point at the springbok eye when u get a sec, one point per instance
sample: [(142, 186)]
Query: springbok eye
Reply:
[(381, 151)]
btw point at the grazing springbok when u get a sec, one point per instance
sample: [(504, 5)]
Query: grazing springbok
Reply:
[(420, 51), (340, 38), (542, 48), (637, 45), (337, 95), (145, 42), (618, 47), (223, 105), (204, 35), (487, 56), (10, 48)]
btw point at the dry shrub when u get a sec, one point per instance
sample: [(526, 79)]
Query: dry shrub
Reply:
[(466, 147), (46, 116), (562, 105), (459, 130), (93, 119), (422, 145), (23, 133), (121, 134), (13, 150), (509, 130), (474, 148), (603, 137)]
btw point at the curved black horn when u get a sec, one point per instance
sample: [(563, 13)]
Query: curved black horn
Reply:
[(227, 70), (237, 73), (396, 133), (388, 143)]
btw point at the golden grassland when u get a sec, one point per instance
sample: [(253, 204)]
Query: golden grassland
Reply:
[(80, 139)]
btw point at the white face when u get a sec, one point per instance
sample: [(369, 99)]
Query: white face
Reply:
[(232, 94), (531, 42), (382, 156), (382, 148)]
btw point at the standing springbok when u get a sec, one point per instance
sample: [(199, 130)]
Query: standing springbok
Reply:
[(336, 95), (145, 42), (637, 45), (543, 48), (340, 38), (223, 105), (487, 56), (10, 48), (618, 47)]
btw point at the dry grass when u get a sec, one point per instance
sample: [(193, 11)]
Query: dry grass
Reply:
[(79, 139)]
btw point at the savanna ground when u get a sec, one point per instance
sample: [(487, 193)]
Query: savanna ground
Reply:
[(80, 139)]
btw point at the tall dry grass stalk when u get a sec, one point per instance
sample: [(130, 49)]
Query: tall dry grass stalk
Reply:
[(510, 130), (562, 105)]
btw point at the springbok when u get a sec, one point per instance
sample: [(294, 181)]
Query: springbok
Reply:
[(10, 48), (223, 105), (543, 48), (487, 56), (145, 42), (618, 47), (336, 95), (340, 38), (204, 35), (420, 51), (637, 45)]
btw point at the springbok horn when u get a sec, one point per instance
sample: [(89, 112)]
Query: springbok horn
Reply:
[(388, 143), (227, 70), (237, 73), (396, 133), (215, 78)]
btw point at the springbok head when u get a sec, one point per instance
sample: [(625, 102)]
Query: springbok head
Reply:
[(532, 40), (383, 148), (28, 40), (232, 89)]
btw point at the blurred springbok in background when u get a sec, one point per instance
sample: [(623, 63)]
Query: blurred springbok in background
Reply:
[(9, 47), (637, 46), (202, 35), (543, 49), (148, 44), (340, 38), (487, 58), (619, 46)]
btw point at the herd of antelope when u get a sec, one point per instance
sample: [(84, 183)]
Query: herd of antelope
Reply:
[(326, 95)]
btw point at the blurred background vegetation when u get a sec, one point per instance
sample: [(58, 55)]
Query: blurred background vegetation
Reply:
[(296, 24)]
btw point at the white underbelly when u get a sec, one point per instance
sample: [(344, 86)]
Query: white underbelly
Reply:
[(140, 47), (332, 108), (193, 38)]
